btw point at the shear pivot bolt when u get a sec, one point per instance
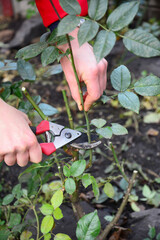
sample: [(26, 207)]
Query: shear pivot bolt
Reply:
[(68, 135)]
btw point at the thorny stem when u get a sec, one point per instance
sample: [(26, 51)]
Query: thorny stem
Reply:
[(71, 124), (117, 162), (108, 228), (34, 104)]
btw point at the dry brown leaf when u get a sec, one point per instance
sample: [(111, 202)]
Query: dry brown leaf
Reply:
[(116, 235), (152, 132)]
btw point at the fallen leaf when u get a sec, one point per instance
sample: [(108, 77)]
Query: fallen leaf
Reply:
[(152, 132), (152, 118), (116, 235)]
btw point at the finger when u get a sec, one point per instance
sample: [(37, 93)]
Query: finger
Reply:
[(75, 91), (101, 76), (1, 158), (35, 153), (93, 92), (22, 158), (10, 159), (105, 73)]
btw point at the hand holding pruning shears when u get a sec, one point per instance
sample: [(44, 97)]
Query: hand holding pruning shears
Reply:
[(20, 144)]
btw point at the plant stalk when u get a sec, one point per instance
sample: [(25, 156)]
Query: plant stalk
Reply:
[(77, 209), (108, 228), (71, 124), (43, 116), (35, 213), (117, 162)]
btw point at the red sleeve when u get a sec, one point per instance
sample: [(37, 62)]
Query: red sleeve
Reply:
[(48, 14)]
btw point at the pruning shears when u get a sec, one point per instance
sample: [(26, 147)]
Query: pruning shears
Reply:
[(58, 136)]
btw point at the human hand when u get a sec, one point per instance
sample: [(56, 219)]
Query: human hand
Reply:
[(93, 74), (17, 143)]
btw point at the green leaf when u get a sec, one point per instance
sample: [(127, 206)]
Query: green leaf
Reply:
[(17, 92), (45, 37), (66, 171), (67, 24), (47, 109), (7, 199), (4, 233), (109, 190), (70, 186), (59, 40), (78, 168), (95, 187), (71, 7), (49, 55), (135, 207), (104, 43), (129, 100), (118, 129), (14, 220), (148, 86), (1, 64), (19, 228), (57, 199), (25, 235), (158, 236), (152, 232), (122, 15), (47, 236), (9, 65), (25, 70), (104, 99), (56, 185), (105, 132), (108, 218), (6, 93), (31, 51), (146, 191), (47, 224), (87, 31), (17, 192), (88, 227), (141, 43), (46, 209), (121, 78), (52, 70), (97, 9), (62, 236), (99, 122), (58, 214), (123, 184), (86, 180), (157, 180)]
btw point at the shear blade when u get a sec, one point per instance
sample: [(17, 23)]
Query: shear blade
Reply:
[(82, 142)]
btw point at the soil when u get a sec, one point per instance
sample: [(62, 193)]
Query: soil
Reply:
[(137, 147)]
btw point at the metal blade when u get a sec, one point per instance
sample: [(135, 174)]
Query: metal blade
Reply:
[(82, 142)]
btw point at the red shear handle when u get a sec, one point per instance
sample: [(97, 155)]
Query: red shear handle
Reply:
[(42, 127), (48, 148)]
